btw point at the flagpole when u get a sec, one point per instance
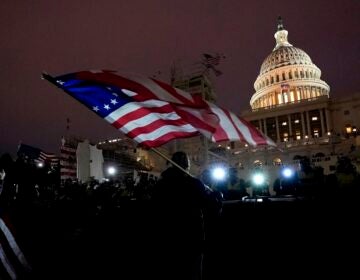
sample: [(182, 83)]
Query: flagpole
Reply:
[(46, 76)]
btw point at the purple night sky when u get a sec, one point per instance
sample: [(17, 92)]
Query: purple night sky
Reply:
[(146, 37)]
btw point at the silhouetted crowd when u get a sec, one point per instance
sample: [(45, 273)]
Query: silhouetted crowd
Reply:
[(67, 228)]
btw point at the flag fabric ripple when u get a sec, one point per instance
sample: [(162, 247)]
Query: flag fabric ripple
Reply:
[(152, 112)]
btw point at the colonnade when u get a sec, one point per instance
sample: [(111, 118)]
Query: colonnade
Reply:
[(288, 96), (305, 121)]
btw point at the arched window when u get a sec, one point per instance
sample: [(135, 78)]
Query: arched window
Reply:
[(283, 76), (272, 79), (290, 75), (277, 78)]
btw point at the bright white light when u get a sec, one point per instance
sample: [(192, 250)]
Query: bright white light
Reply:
[(111, 170), (287, 172), (40, 164), (218, 173), (258, 179)]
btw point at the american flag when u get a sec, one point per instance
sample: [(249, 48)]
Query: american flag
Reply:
[(13, 263), (150, 111), (37, 155), (285, 86), (210, 60), (68, 165)]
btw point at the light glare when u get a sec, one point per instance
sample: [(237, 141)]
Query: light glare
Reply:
[(287, 172), (258, 179), (111, 170), (218, 173)]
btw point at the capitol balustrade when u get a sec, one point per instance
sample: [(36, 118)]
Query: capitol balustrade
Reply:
[(325, 140), (325, 98)]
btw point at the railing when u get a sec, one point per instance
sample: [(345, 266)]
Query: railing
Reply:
[(290, 102)]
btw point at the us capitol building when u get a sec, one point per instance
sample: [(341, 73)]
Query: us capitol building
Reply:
[(292, 106)]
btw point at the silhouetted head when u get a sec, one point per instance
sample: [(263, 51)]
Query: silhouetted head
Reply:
[(5, 161), (181, 159)]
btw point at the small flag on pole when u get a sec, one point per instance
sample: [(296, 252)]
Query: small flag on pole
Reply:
[(37, 155), (210, 61)]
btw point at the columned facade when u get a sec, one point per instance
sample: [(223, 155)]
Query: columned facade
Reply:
[(287, 75), (290, 99)]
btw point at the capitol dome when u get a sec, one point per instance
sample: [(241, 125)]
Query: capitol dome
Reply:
[(283, 56), (287, 75)]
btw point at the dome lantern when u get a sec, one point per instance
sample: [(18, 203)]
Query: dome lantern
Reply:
[(281, 35)]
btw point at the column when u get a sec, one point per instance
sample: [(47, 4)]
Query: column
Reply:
[(327, 120), (290, 128), (323, 133), (303, 124), (277, 129), (308, 124), (260, 125), (265, 127)]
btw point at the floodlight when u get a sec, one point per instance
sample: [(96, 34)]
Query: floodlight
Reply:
[(258, 179), (287, 172), (218, 173), (111, 170)]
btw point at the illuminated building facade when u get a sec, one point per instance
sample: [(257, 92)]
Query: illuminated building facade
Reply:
[(292, 106)]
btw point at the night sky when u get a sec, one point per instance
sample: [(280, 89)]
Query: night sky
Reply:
[(146, 37)]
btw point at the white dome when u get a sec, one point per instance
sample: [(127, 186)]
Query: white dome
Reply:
[(283, 56), (287, 75)]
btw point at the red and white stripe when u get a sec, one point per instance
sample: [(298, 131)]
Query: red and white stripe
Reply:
[(234, 128), (67, 163), (161, 113), (48, 157), (143, 88), (151, 122)]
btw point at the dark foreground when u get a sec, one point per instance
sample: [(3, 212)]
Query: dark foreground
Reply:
[(280, 238)]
